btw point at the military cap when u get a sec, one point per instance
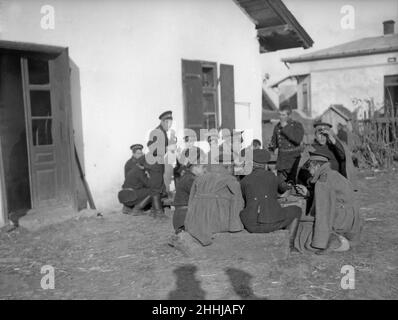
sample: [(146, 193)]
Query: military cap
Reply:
[(261, 156), (319, 155), (136, 146), (166, 115), (319, 122)]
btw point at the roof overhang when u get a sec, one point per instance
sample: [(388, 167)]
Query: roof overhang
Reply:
[(293, 76), (327, 56), (276, 26), (31, 48)]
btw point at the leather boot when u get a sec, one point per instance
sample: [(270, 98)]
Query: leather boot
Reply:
[(293, 227), (138, 208), (157, 207)]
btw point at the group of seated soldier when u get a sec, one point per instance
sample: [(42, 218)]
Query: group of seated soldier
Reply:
[(212, 196)]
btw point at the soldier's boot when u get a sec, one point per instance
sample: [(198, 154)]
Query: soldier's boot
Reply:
[(139, 207), (157, 207), (293, 227)]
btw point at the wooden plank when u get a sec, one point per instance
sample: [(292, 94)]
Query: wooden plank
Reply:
[(3, 199), (280, 29)]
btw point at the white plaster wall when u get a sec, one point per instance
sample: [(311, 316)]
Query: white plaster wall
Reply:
[(128, 62), (339, 81)]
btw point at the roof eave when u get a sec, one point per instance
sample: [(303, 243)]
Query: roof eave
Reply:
[(340, 55)]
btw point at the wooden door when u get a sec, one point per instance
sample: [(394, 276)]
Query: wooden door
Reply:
[(47, 110)]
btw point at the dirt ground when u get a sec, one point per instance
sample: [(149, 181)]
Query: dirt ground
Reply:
[(124, 257)]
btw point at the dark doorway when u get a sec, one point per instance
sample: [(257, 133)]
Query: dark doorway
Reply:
[(13, 135), (36, 128)]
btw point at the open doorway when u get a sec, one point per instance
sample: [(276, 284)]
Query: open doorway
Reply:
[(35, 129), (13, 136)]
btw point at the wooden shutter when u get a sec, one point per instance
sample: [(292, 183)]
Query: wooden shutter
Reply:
[(193, 96), (227, 96)]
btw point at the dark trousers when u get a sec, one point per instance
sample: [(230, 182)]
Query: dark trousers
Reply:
[(179, 217), (141, 195), (292, 212), (156, 180)]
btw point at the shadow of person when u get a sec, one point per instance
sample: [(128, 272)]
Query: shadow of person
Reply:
[(240, 281), (187, 286)]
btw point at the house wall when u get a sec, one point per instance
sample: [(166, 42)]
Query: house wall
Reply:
[(126, 68), (347, 81)]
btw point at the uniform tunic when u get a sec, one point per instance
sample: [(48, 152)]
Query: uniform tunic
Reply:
[(262, 212), (130, 164), (156, 170), (138, 181), (181, 199), (287, 140), (335, 212), (214, 205)]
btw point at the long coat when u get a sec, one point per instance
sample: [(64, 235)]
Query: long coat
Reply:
[(335, 211), (260, 192), (214, 205)]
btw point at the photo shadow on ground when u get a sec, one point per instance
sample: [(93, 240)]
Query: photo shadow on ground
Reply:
[(187, 285), (240, 281)]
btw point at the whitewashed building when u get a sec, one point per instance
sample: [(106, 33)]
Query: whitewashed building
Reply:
[(95, 77), (361, 75)]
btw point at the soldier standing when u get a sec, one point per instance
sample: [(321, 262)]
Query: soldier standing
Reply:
[(155, 158), (287, 137)]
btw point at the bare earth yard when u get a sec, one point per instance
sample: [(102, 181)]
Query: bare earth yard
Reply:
[(125, 257)]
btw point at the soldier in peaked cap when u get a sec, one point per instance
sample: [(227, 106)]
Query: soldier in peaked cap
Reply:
[(137, 153), (336, 222), (155, 158), (262, 212), (337, 152)]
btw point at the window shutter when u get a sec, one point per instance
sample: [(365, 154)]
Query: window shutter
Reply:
[(227, 96), (193, 97)]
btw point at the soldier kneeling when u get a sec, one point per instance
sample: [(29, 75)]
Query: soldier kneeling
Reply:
[(135, 194)]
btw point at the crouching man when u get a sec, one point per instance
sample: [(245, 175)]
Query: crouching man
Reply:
[(215, 202), (135, 194), (262, 212), (336, 221)]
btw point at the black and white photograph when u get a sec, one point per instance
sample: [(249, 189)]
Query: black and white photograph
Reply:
[(208, 150)]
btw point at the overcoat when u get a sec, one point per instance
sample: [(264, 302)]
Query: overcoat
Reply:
[(335, 211), (214, 205)]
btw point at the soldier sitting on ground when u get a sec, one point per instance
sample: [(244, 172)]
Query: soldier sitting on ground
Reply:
[(193, 169), (214, 205), (336, 222), (262, 212)]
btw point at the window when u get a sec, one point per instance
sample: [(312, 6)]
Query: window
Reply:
[(40, 102), (200, 88), (391, 95)]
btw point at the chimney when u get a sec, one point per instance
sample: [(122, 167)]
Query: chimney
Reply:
[(388, 27)]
